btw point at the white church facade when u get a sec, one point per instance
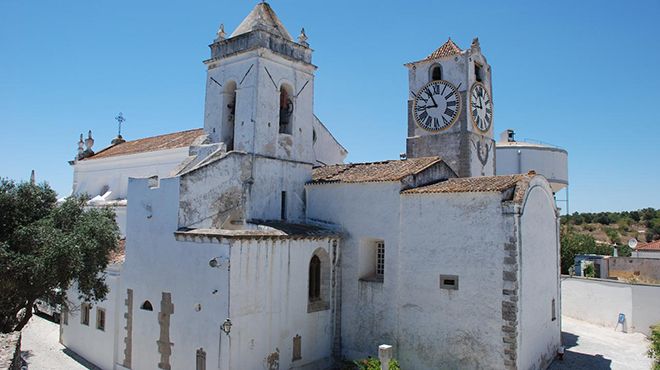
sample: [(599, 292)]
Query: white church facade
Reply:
[(250, 244)]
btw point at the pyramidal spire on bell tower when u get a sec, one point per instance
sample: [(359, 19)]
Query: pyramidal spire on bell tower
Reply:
[(260, 89)]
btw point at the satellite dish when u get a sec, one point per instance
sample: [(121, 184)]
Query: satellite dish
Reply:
[(632, 243)]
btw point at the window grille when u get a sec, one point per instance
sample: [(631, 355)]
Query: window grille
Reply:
[(100, 319), (380, 259)]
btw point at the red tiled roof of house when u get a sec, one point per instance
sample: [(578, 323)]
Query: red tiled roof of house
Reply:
[(482, 184), (151, 144), (447, 49), (393, 170), (652, 246)]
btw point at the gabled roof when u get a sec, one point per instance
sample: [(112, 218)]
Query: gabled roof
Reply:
[(447, 49), (482, 184), (393, 170), (150, 144), (653, 246), (262, 17)]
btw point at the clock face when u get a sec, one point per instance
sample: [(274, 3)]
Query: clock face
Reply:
[(436, 106), (481, 107)]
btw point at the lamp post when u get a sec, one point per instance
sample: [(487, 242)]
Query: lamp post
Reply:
[(226, 326)]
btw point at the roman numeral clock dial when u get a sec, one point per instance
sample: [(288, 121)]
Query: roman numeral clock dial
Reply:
[(436, 106), (481, 107)]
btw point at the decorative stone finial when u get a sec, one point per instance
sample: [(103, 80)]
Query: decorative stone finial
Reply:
[(302, 38), (80, 147), (221, 35), (90, 141), (475, 44)]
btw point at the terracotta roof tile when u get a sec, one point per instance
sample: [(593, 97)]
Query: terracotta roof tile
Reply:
[(652, 246), (447, 49), (393, 170), (150, 144), (483, 184)]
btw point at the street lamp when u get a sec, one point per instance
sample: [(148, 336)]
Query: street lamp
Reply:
[(226, 326)]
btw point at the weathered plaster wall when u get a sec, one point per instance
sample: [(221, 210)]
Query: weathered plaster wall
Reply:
[(365, 212), (157, 263), (645, 270), (259, 74), (540, 332), (647, 254), (269, 304), (520, 157), (95, 345), (451, 234)]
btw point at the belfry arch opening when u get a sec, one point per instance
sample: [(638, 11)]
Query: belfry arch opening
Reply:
[(229, 116), (436, 72), (286, 110)]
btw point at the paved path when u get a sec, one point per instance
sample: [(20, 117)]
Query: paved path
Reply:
[(595, 347), (41, 348)]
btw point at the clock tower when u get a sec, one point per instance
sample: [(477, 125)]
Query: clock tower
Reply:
[(450, 109)]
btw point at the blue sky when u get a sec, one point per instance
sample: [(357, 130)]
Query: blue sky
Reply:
[(582, 75)]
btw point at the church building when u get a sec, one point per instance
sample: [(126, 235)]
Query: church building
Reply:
[(250, 244)]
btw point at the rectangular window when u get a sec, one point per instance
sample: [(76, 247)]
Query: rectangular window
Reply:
[(100, 319), (380, 259), (84, 313), (449, 282), (554, 310), (283, 206)]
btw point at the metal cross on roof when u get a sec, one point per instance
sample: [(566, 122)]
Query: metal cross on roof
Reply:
[(120, 118)]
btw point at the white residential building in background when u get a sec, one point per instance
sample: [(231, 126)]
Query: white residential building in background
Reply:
[(249, 244)]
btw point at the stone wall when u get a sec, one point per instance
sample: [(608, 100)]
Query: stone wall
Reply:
[(644, 270), (10, 351)]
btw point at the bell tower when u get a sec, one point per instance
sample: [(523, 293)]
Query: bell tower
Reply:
[(450, 109), (260, 89)]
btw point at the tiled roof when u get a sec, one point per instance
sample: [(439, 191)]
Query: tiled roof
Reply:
[(447, 49), (394, 170), (119, 254), (150, 144), (652, 246), (482, 184), (262, 230)]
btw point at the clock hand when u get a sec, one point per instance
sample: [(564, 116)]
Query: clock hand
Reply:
[(436, 104)]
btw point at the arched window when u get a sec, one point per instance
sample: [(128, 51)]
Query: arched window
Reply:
[(436, 73), (315, 279), (230, 115), (286, 110), (147, 306)]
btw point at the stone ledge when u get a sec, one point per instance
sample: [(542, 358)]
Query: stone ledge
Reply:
[(10, 351)]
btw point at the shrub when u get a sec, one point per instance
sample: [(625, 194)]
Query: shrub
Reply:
[(374, 364), (654, 349)]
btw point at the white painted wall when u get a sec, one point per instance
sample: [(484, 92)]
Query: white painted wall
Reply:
[(647, 254), (451, 234), (93, 344), (600, 301), (520, 157), (91, 176), (597, 301), (269, 296), (156, 262), (327, 150), (539, 333), (365, 212), (257, 103)]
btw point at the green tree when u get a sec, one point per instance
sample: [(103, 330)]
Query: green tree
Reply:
[(573, 243), (44, 246), (654, 347)]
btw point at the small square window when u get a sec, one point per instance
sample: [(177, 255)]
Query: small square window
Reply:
[(84, 313), (449, 282), (100, 319)]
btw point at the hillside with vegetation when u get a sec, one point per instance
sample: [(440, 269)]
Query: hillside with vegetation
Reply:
[(596, 233)]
